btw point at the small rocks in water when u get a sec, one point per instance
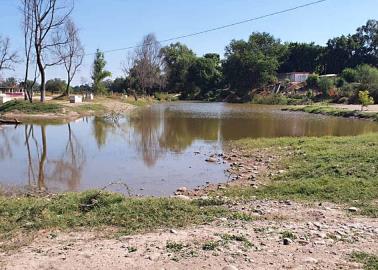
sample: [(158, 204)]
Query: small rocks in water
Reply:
[(287, 241), (211, 159), (353, 209), (229, 267)]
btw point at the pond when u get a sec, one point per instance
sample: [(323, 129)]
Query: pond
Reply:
[(152, 151)]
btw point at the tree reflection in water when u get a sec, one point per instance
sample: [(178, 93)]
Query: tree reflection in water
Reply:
[(65, 170)]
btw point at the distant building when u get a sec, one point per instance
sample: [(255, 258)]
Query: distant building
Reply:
[(294, 76)]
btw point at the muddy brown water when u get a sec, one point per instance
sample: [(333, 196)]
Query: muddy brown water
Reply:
[(153, 151)]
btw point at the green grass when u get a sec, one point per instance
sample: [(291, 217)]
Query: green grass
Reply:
[(95, 209), (30, 108), (92, 107), (369, 261), (336, 169), (328, 110)]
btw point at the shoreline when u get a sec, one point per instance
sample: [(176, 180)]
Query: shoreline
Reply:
[(345, 111)]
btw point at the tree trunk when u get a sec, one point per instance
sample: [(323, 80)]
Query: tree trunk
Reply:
[(41, 174)]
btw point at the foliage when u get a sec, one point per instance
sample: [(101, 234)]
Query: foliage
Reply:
[(275, 99), (31, 108), (99, 73), (303, 57), (56, 85), (313, 81), (160, 96), (325, 85), (365, 99), (253, 63), (177, 58), (203, 76), (350, 75)]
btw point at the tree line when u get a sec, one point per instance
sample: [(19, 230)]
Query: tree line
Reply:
[(52, 38), (247, 64)]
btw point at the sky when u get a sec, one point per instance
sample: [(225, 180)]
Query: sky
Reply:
[(113, 24)]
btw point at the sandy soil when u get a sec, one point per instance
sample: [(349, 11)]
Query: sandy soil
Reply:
[(325, 237), (371, 108)]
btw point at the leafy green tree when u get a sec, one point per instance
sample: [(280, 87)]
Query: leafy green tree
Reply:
[(303, 57), (253, 63), (178, 58), (367, 36), (204, 76), (365, 99), (56, 86), (99, 74)]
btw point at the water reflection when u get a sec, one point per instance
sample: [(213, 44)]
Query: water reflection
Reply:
[(152, 149)]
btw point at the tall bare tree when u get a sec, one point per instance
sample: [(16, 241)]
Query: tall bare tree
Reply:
[(45, 19), (27, 27), (145, 64), (7, 57), (71, 53)]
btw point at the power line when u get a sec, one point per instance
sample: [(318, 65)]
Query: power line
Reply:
[(219, 27)]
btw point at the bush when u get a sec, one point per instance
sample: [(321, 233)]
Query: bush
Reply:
[(326, 85), (350, 75), (365, 99), (312, 81), (274, 99), (340, 82)]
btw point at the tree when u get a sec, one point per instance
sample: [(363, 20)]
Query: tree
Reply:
[(367, 36), (303, 57), (365, 99), (253, 63), (99, 74), (7, 57), (203, 77), (177, 58), (56, 86), (145, 66), (28, 32), (44, 19), (71, 53), (350, 75), (313, 81)]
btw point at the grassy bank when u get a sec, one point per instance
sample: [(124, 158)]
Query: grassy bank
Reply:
[(335, 169), (328, 110), (30, 108), (96, 209)]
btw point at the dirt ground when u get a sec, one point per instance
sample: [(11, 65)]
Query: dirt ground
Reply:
[(371, 108), (325, 236)]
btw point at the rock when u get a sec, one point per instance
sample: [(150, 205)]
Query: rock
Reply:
[(287, 241), (353, 209), (182, 197), (211, 159), (173, 231), (182, 189), (229, 267), (310, 260)]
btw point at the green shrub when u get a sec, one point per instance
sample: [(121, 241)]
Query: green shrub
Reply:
[(312, 81), (325, 85), (273, 99), (365, 99), (350, 75)]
